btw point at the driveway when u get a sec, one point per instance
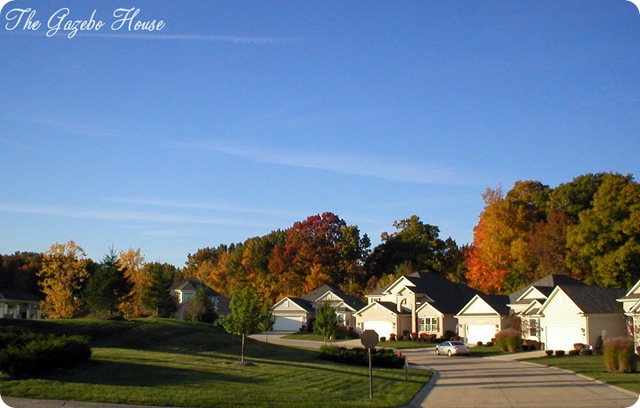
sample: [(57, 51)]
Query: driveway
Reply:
[(502, 382)]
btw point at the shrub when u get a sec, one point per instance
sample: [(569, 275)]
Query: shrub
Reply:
[(574, 352), (360, 356), (549, 353), (619, 355), (586, 352), (27, 354), (383, 338), (508, 340), (489, 344), (392, 337), (479, 344), (559, 353), (341, 332)]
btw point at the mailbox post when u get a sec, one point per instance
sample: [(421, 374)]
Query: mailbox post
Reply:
[(369, 339)]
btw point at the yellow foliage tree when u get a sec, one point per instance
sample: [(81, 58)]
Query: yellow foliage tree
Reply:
[(61, 277), (133, 261)]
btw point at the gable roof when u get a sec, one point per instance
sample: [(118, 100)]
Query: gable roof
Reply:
[(389, 306), (190, 285), (301, 303), (633, 293), (497, 302), (16, 295), (542, 284), (590, 299), (348, 300), (448, 297)]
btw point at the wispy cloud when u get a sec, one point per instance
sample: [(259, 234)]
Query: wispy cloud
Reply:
[(210, 206), (385, 168), (110, 215)]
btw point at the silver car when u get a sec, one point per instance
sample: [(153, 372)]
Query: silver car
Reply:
[(451, 348)]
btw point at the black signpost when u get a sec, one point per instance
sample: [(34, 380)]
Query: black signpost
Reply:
[(369, 339)]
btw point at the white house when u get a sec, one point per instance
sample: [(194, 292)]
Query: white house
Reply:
[(296, 313), (482, 317), (581, 314), (631, 307), (19, 305)]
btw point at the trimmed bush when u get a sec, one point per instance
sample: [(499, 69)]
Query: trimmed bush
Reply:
[(479, 344), (360, 356), (619, 356), (549, 353), (559, 353), (26, 354), (574, 352), (383, 338), (508, 340)]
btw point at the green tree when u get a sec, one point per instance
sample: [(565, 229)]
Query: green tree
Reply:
[(108, 286), (62, 277), (604, 247), (156, 296), (244, 317), (326, 321), (414, 243), (266, 320)]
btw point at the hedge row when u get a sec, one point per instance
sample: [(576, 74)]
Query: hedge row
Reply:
[(360, 356), (27, 354)]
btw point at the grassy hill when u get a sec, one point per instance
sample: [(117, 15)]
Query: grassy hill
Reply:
[(174, 363)]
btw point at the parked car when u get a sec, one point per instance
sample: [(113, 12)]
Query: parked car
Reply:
[(451, 348)]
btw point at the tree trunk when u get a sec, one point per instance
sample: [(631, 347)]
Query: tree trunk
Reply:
[(242, 351)]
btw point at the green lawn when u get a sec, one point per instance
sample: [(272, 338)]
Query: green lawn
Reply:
[(594, 367), (168, 362)]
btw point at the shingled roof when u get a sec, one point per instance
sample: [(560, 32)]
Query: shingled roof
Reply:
[(594, 299), (16, 295), (191, 284), (448, 297), (350, 300), (546, 285)]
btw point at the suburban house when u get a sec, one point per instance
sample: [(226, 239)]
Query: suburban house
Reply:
[(527, 301), (296, 313), (19, 305), (186, 289), (631, 306), (482, 317), (422, 303), (580, 314)]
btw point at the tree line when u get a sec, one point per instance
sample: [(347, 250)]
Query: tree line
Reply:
[(588, 228)]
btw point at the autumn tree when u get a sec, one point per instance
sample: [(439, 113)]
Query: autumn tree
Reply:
[(133, 262), (62, 277)]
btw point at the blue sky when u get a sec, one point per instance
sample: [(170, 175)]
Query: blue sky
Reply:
[(242, 117)]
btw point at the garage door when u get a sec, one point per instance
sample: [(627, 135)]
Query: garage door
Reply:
[(480, 332), (288, 323), (562, 337), (382, 328)]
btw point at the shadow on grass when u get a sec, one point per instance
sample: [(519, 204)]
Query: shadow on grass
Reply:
[(106, 372)]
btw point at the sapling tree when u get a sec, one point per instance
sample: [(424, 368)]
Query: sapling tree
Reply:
[(244, 317)]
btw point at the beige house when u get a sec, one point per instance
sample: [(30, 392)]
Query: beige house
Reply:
[(581, 314), (484, 316), (421, 303), (185, 290), (631, 307), (19, 305), (298, 313)]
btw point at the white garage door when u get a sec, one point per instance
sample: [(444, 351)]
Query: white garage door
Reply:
[(480, 332), (382, 328), (288, 323), (562, 337)]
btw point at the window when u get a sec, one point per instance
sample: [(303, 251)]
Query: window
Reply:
[(428, 324), (534, 327)]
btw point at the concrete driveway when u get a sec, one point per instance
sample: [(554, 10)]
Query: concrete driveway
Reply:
[(502, 382)]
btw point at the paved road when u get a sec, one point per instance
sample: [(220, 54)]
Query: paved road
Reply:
[(499, 382)]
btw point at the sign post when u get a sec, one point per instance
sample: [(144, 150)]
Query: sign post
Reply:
[(369, 339)]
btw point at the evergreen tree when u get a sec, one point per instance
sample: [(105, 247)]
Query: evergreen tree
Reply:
[(108, 286), (156, 296)]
